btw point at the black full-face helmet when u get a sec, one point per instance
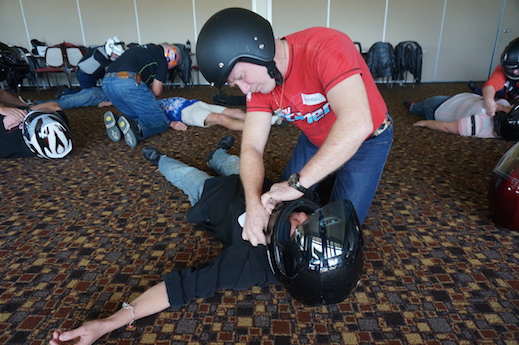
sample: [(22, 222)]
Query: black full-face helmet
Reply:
[(506, 125), (232, 35), (321, 261), (510, 59)]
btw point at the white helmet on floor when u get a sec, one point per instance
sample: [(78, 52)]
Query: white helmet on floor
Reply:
[(114, 45), (47, 134)]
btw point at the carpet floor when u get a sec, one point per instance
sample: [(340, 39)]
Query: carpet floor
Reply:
[(80, 235)]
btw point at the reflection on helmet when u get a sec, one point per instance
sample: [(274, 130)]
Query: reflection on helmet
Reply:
[(232, 35), (510, 59), (114, 45), (503, 194), (321, 262), (47, 134), (172, 54)]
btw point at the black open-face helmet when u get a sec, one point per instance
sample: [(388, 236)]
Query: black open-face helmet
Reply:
[(510, 59), (321, 261), (506, 125), (232, 35)]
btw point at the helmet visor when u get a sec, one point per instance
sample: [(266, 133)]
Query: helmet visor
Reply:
[(323, 242)]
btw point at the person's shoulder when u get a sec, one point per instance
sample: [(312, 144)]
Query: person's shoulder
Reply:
[(318, 36), (318, 31)]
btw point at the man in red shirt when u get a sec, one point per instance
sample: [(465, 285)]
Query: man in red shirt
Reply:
[(505, 78), (316, 79)]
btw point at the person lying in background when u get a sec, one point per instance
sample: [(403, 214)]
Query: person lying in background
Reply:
[(465, 114), (41, 130)]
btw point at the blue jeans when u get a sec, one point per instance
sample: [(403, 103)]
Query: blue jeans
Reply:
[(190, 179), (137, 102), (87, 80), (428, 107), (84, 98), (357, 179)]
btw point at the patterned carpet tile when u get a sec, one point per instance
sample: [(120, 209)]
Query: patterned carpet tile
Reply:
[(81, 235)]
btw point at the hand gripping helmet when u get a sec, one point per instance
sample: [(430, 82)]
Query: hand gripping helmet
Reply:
[(47, 134), (172, 54), (114, 45), (232, 35), (506, 125), (510, 59), (321, 262), (503, 194)]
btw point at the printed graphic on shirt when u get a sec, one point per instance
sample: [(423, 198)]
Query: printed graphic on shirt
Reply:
[(312, 117)]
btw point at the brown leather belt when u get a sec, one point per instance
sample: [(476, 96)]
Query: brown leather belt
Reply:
[(125, 75)]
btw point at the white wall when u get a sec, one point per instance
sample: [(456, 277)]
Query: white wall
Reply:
[(462, 39)]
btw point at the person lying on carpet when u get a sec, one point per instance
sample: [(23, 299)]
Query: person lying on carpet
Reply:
[(304, 237), (192, 112), (465, 114), (181, 112), (25, 130)]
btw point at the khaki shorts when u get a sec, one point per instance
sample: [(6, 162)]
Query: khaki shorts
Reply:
[(195, 114)]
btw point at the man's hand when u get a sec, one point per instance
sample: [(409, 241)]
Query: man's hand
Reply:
[(84, 335), (279, 192), (178, 125), (12, 117), (256, 222)]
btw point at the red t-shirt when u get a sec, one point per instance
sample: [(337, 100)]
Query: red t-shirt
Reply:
[(320, 58), (500, 81)]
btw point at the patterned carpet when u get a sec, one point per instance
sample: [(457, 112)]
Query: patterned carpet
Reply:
[(79, 236)]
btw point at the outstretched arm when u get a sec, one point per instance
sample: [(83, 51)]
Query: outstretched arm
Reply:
[(442, 126), (152, 301), (7, 98)]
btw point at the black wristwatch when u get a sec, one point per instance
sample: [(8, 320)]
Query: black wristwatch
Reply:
[(293, 181)]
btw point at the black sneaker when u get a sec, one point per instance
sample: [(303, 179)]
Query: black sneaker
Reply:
[(408, 104), (224, 143), (114, 133), (220, 98), (472, 86), (129, 129), (151, 154)]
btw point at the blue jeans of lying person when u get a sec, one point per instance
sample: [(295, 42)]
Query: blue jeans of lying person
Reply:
[(84, 98), (190, 179), (137, 102), (357, 179), (428, 107)]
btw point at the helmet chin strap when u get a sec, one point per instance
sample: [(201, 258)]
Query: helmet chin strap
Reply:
[(274, 73)]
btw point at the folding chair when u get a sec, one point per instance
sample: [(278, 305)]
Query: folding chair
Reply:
[(73, 56), (55, 62)]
